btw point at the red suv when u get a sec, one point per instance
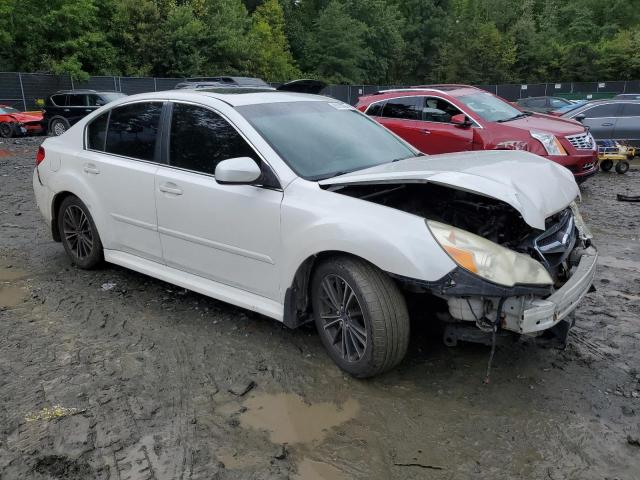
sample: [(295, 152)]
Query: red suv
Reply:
[(454, 118)]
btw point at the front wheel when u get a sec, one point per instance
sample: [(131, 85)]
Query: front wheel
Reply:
[(79, 234), (361, 316), (6, 130), (622, 167)]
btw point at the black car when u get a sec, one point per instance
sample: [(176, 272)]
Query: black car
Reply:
[(610, 120), (299, 86), (542, 104), (65, 107)]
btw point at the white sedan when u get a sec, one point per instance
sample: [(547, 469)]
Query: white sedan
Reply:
[(303, 209)]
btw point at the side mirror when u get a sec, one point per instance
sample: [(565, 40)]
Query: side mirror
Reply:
[(580, 117), (240, 170), (461, 120)]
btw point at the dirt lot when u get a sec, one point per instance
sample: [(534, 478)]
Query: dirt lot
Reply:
[(113, 375)]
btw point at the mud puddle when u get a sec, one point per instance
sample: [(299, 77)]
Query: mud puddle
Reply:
[(289, 419), (8, 274), (10, 293)]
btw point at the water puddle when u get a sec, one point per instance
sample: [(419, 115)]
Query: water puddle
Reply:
[(9, 274), (289, 419), (312, 470), (11, 296), (234, 460)]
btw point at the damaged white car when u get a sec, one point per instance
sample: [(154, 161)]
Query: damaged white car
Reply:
[(301, 208)]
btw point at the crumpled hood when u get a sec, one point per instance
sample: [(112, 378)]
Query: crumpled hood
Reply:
[(25, 117), (534, 186)]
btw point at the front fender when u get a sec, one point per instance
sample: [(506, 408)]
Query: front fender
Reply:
[(316, 220)]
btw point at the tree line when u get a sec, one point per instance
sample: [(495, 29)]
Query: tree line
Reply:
[(339, 41)]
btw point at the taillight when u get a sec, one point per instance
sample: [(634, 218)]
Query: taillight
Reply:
[(40, 156)]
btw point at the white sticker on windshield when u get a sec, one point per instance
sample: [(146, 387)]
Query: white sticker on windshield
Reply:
[(341, 106)]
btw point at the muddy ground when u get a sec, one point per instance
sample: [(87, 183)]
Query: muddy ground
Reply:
[(110, 374)]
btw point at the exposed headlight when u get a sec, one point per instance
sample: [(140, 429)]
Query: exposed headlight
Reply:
[(488, 259), (551, 144), (579, 221)]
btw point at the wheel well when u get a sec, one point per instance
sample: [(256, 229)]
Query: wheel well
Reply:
[(297, 307), (55, 206)]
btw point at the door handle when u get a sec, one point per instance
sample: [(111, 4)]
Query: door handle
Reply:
[(66, 110), (171, 188), (424, 131), (91, 168), (608, 124), (88, 110)]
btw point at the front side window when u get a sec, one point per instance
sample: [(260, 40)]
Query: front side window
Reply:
[(323, 139), (133, 130), (200, 139), (438, 110), (408, 108), (490, 107), (601, 111), (97, 132), (77, 100)]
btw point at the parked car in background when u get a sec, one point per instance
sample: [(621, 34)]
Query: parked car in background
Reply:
[(66, 107), (543, 104), (300, 86), (14, 123), (610, 120), (567, 108), (303, 209), (455, 118), (627, 96)]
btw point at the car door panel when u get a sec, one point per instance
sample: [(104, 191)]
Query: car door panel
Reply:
[(601, 120), (628, 124)]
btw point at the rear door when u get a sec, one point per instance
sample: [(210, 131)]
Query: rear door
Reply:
[(601, 119), (226, 233), (628, 123), (119, 163), (77, 107), (403, 116)]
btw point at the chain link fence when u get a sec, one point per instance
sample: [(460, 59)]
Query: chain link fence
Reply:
[(27, 91)]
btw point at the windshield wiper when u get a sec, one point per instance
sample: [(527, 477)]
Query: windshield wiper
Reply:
[(413, 155), (515, 117)]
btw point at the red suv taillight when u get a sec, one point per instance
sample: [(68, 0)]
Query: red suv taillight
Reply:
[(39, 156)]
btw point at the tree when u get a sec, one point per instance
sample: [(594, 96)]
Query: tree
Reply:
[(271, 58), (335, 49), (181, 46)]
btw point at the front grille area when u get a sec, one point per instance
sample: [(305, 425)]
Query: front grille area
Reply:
[(582, 141), (554, 245)]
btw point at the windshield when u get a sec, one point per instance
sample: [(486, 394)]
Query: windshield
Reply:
[(490, 107), (8, 110), (323, 139)]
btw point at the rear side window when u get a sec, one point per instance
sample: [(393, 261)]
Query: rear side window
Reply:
[(77, 100), (59, 100), (409, 108), (133, 130), (375, 109), (608, 110), (97, 132), (95, 101), (200, 139), (631, 110)]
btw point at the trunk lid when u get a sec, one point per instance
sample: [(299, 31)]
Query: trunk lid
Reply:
[(534, 186)]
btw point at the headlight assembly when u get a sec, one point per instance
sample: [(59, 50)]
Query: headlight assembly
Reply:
[(550, 143), (488, 259)]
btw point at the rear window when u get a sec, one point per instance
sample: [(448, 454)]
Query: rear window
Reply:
[(59, 100), (133, 130), (77, 100), (375, 109)]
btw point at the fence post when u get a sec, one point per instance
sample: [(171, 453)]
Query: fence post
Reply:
[(71, 78), (24, 101), (155, 85), (115, 85)]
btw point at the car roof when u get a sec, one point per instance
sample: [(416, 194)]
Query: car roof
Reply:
[(446, 89), (234, 96), (84, 90)]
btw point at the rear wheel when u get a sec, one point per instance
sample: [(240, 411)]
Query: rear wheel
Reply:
[(622, 167), (606, 165), (59, 126), (6, 130), (361, 316), (79, 234)]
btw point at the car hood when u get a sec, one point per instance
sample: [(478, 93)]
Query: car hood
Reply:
[(25, 117), (534, 186), (547, 123)]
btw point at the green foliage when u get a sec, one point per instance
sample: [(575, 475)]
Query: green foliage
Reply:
[(363, 41)]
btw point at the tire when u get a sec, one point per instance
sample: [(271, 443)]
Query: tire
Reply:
[(6, 130), (58, 126), (606, 165), (79, 234), (371, 334), (622, 167)]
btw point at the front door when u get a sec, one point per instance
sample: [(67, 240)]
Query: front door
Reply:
[(226, 233)]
